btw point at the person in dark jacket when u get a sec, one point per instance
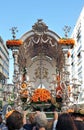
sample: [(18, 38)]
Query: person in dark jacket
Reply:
[(65, 122), (2, 124), (31, 122), (78, 119)]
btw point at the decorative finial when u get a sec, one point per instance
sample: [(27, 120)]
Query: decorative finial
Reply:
[(40, 27), (14, 30), (66, 29)]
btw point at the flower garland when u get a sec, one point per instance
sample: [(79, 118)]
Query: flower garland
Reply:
[(10, 43), (24, 93), (59, 92), (68, 54), (41, 95), (66, 41)]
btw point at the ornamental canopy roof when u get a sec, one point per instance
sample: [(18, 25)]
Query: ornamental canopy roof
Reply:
[(41, 54)]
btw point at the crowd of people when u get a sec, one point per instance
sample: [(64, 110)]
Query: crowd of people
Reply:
[(15, 120)]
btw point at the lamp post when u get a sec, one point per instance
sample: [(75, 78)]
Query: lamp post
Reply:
[(14, 45)]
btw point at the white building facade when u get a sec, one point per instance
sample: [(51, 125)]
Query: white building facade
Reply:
[(4, 66), (77, 56)]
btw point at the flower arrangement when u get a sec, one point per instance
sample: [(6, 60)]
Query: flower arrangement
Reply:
[(66, 41), (23, 86), (41, 95), (11, 43)]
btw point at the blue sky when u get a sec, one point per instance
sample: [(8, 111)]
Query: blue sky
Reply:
[(24, 13)]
